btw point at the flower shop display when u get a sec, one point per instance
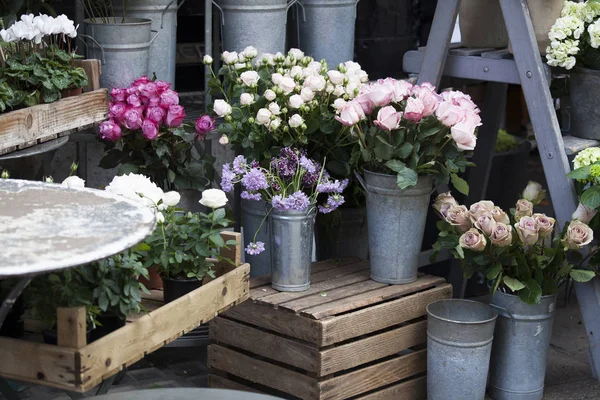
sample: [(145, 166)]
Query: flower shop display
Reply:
[(524, 265), (145, 133), (291, 186), (407, 136), (574, 40)]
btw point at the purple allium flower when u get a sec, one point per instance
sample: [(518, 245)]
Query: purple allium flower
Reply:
[(307, 164), (254, 249), (255, 180), (239, 165), (251, 196), (299, 201), (287, 162), (227, 178), (332, 187), (280, 203)]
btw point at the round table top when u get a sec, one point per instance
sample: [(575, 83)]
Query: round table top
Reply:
[(46, 226), (186, 393), (37, 149)]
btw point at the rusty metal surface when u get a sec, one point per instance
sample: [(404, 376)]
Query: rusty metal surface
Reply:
[(45, 227)]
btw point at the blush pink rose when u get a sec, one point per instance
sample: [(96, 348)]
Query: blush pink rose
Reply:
[(149, 89), (109, 130), (118, 94), (175, 116), (471, 118), (117, 111), (156, 114), (402, 89), (380, 95), (388, 118), (414, 109), (449, 114), (365, 103), (429, 98), (464, 136), (149, 129), (169, 98), (133, 119), (134, 100), (350, 114)]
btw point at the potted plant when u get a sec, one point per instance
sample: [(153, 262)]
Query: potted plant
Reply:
[(407, 136), (524, 265), (574, 41), (291, 186)]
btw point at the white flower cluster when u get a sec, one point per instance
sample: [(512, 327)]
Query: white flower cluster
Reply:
[(35, 28), (586, 157)]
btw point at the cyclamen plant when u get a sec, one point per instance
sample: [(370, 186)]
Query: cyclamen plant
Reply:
[(411, 130), (292, 182), (146, 134), (516, 255)]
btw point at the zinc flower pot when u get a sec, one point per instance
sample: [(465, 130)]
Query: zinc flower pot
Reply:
[(396, 223), (585, 94), (175, 288), (253, 215), (520, 348), (459, 344), (291, 244), (342, 233)]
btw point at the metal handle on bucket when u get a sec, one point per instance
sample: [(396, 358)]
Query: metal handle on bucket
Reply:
[(95, 41), (512, 317), (221, 10), (155, 36), (162, 14), (361, 181), (291, 3), (356, 9)]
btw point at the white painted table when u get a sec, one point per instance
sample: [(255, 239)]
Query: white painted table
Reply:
[(187, 393)]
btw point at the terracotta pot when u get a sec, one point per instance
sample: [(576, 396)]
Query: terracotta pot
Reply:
[(155, 281), (70, 92)]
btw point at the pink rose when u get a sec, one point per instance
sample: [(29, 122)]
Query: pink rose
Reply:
[(204, 125), (584, 213), (169, 98), (109, 130), (118, 94), (162, 86), (134, 100), (429, 98), (449, 114), (175, 116), (156, 114), (402, 90), (132, 90), (528, 231), (380, 95), (464, 136), (117, 111), (350, 114), (154, 101), (388, 118), (443, 202), (149, 89), (486, 223), (133, 119), (140, 81), (459, 217), (149, 129), (414, 109), (365, 103)]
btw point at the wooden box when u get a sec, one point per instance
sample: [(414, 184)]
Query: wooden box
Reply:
[(345, 337), (76, 366)]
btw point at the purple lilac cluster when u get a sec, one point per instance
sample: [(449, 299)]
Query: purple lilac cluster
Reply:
[(298, 201), (286, 165)]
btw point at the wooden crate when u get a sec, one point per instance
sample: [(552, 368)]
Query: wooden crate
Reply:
[(76, 366), (345, 337)]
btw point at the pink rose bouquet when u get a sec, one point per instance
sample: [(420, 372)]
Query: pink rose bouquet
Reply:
[(411, 130), (146, 134)]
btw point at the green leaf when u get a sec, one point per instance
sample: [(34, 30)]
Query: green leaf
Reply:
[(494, 271), (532, 293), (460, 184), (591, 197), (404, 150), (460, 251), (582, 275), (171, 176), (581, 173), (217, 240), (219, 213), (406, 177), (513, 284)]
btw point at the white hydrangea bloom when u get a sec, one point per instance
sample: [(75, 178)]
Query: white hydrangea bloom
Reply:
[(586, 157), (565, 27), (594, 32), (562, 54)]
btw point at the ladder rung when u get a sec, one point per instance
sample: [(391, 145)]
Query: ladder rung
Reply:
[(574, 145)]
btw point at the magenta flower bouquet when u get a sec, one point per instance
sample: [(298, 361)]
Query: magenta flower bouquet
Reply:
[(146, 134), (292, 182)]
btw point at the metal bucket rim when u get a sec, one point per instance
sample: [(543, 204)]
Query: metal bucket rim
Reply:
[(421, 177), (482, 322), (327, 3), (181, 280), (134, 22), (312, 208), (545, 297)]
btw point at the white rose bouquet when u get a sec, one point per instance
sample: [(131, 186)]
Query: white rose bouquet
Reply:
[(517, 254)]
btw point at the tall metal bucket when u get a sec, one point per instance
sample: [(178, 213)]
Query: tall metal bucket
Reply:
[(291, 248), (584, 92), (123, 47), (258, 23), (396, 222), (459, 344), (327, 30), (342, 233), (520, 350), (163, 50), (253, 214)]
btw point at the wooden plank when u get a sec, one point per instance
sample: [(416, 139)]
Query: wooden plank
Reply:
[(381, 316), (71, 327), (274, 347), (373, 377), (415, 389), (470, 51), (372, 348), (39, 363), (234, 253), (29, 124), (106, 355), (93, 70), (155, 295), (286, 323), (262, 372), (218, 382), (372, 297), (574, 145), (497, 54)]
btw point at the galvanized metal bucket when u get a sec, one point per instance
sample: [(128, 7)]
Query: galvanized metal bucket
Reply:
[(585, 94), (459, 344), (343, 233), (123, 46), (291, 248), (253, 214), (396, 220), (163, 51), (520, 349), (258, 23), (327, 30)]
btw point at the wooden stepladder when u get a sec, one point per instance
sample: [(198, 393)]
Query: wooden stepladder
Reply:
[(529, 70)]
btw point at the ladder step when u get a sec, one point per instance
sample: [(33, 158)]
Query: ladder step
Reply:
[(574, 145)]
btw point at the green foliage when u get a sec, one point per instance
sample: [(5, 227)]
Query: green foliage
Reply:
[(11, 10), (506, 142)]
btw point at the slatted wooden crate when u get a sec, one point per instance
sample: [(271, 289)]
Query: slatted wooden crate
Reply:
[(346, 337), (76, 366)]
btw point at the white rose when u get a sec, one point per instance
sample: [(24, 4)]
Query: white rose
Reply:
[(276, 78), (246, 99), (171, 199), (339, 91), (8, 36), (224, 140), (330, 88), (362, 76), (287, 84), (250, 52), (307, 94), (213, 198), (222, 108), (229, 57), (335, 77), (73, 182), (275, 124), (351, 90), (249, 78), (136, 187), (296, 101), (296, 72), (315, 83), (267, 59), (263, 116), (207, 59), (296, 53), (274, 108), (295, 121), (160, 218), (339, 103), (239, 66), (270, 95), (306, 72)]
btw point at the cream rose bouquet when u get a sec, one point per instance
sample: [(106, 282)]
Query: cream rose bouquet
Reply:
[(516, 253)]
